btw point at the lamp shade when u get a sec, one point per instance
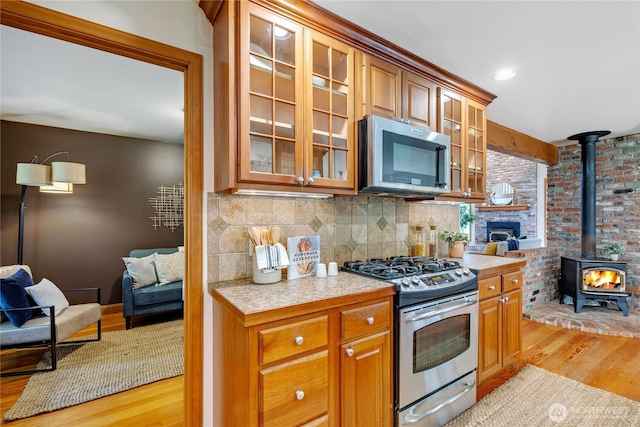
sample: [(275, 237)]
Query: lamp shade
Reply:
[(33, 174), (73, 173)]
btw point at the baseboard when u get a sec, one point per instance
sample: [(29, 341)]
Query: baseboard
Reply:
[(112, 308)]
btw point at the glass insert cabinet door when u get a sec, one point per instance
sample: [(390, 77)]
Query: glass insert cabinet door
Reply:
[(329, 77), (271, 99), (451, 113)]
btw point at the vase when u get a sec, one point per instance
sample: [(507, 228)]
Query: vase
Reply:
[(614, 257), (458, 248)]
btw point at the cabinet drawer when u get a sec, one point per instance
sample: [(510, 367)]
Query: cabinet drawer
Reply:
[(295, 392), (511, 281), (489, 287), (294, 338), (364, 320), (323, 421)]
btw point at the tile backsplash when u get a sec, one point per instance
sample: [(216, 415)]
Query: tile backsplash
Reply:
[(350, 228)]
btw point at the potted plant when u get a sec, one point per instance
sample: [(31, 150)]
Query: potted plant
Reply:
[(457, 242), (614, 250)]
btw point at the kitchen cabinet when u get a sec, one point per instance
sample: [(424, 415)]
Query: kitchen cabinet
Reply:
[(365, 378), (392, 92), (326, 363), (464, 121), (294, 101), (500, 322)]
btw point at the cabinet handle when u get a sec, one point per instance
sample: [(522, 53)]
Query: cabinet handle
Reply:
[(506, 299), (310, 180), (349, 352), (492, 288), (300, 180), (299, 394), (299, 340), (370, 320), (514, 281)]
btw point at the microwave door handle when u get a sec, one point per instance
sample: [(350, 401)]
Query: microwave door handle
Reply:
[(441, 168), (427, 314), (414, 418)]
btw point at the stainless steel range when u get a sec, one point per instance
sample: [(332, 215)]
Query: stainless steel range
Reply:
[(436, 336)]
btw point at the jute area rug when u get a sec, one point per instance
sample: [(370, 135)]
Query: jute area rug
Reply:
[(535, 397), (122, 360)]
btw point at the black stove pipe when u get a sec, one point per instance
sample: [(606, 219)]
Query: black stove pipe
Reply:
[(588, 230)]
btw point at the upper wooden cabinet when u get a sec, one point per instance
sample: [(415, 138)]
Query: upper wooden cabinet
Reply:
[(290, 82), (464, 120), (392, 92), (294, 101)]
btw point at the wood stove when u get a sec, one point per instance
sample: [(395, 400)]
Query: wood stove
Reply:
[(587, 279), (593, 280)]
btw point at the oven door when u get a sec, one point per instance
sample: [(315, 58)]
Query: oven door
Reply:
[(438, 344)]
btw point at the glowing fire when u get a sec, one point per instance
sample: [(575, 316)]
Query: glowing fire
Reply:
[(603, 279)]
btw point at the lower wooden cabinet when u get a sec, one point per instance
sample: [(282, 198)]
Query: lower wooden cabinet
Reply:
[(321, 367), (500, 323), (366, 381)]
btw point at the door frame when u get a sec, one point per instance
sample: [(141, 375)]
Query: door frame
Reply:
[(50, 23)]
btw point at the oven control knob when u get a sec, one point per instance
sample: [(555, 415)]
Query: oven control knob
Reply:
[(458, 272), (466, 271), (405, 282), (415, 280)]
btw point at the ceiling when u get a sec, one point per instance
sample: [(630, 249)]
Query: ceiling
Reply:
[(577, 63)]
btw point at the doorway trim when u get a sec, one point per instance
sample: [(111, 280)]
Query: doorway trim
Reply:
[(50, 23)]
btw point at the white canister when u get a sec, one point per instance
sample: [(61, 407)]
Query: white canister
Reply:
[(265, 278)]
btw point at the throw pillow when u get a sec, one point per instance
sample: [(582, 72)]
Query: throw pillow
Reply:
[(141, 270), (13, 295), (170, 268), (46, 293)]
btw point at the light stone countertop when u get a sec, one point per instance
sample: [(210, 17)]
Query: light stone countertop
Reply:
[(490, 265), (250, 298)]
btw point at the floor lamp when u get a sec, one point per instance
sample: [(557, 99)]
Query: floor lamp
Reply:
[(58, 177)]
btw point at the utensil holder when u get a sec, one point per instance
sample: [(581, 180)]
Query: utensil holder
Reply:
[(265, 278)]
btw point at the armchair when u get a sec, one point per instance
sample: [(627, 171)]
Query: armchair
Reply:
[(45, 331)]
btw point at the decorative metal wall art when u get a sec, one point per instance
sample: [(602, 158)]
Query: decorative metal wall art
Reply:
[(169, 207)]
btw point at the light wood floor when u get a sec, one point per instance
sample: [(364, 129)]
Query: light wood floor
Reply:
[(606, 362)]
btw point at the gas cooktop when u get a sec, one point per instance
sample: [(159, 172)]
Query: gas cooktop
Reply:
[(417, 275)]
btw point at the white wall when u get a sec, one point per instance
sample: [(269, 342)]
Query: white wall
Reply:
[(180, 23)]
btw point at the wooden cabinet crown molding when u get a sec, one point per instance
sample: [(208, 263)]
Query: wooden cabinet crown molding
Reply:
[(314, 17)]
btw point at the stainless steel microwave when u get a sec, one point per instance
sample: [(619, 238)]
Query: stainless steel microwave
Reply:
[(398, 159)]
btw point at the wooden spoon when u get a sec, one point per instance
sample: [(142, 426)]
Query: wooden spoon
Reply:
[(264, 237), (254, 235), (275, 235)]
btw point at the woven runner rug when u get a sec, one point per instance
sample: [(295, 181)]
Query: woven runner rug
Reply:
[(122, 360), (535, 397)]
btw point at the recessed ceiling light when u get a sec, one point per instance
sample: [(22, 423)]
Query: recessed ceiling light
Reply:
[(505, 74)]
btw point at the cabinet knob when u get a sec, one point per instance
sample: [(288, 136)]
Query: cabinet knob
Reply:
[(300, 180), (491, 288), (299, 340), (299, 394), (506, 299), (311, 180), (349, 352), (370, 320), (514, 281)]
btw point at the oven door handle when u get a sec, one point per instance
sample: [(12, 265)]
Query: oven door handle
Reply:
[(426, 315), (414, 418)]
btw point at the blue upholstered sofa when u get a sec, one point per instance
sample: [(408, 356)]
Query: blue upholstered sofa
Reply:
[(149, 299)]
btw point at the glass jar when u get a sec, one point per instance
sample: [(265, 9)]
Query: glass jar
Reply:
[(433, 241), (419, 241)]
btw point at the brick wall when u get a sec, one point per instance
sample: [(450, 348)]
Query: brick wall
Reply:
[(521, 174), (617, 215), (540, 276)]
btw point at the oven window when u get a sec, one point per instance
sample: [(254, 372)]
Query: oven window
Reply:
[(440, 342)]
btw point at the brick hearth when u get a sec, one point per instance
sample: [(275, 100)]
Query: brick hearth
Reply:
[(598, 320)]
